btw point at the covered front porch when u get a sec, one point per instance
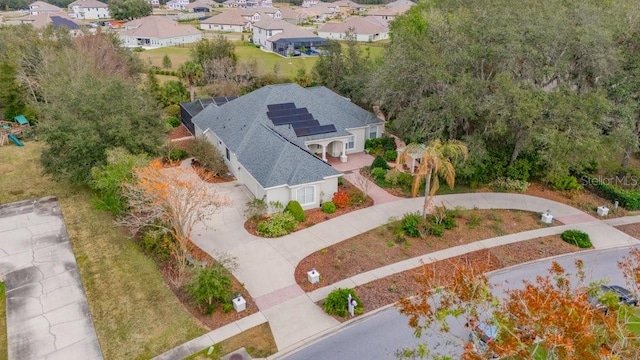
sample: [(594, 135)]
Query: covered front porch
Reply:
[(336, 148)]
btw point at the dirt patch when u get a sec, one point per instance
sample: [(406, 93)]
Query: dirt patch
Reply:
[(258, 341), (381, 246), (630, 229), (218, 318), (315, 216), (178, 133), (390, 289)]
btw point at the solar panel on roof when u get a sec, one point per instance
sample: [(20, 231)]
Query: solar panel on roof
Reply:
[(316, 130), (301, 132), (282, 106), (284, 120), (286, 112), (305, 124)]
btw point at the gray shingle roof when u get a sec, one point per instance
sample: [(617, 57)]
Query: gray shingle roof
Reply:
[(274, 155)]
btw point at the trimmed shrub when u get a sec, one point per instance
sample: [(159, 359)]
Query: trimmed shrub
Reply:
[(390, 155), (336, 302), (411, 224), (175, 155), (507, 184), (294, 208), (577, 238), (567, 183), (157, 243), (173, 121), (357, 198), (207, 156), (172, 110), (341, 199), (378, 173), (277, 225), (629, 199), (328, 207), (211, 286), (379, 162)]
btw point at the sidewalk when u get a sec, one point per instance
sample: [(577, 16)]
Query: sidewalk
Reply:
[(266, 266)]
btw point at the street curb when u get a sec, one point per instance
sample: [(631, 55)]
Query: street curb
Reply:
[(323, 334)]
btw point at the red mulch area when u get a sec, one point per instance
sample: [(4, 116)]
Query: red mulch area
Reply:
[(178, 133), (315, 216), (218, 318), (390, 289)]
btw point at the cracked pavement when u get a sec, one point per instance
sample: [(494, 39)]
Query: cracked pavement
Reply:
[(47, 311)]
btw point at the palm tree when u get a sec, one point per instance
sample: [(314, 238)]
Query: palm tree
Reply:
[(192, 73), (436, 160)]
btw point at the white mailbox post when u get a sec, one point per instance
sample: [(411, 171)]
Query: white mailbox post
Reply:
[(313, 276), (239, 303), (603, 210)]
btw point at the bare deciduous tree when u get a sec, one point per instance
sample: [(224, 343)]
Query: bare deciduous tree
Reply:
[(173, 200)]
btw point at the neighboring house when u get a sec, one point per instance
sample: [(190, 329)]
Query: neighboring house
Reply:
[(348, 7), (388, 13), (293, 16), (319, 13), (176, 4), (57, 19), (256, 14), (283, 38), (230, 20), (309, 3), (157, 31), (364, 29), (41, 7), (89, 10), (198, 6), (268, 139), (154, 3)]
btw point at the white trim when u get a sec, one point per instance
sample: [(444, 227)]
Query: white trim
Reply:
[(307, 201)]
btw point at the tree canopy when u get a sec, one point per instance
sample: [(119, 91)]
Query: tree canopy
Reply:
[(129, 9)]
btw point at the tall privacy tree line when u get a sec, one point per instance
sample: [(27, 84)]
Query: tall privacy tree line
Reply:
[(535, 88)]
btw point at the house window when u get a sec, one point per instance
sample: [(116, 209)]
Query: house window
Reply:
[(373, 132), (228, 154), (306, 195), (351, 144)]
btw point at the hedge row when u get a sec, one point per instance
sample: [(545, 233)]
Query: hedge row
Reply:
[(629, 199)]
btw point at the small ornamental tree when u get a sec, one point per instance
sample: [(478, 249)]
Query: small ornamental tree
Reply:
[(211, 286), (173, 200)]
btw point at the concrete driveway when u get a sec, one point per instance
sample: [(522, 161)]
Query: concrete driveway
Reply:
[(47, 312)]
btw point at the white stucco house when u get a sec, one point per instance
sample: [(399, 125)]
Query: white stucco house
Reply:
[(41, 7), (364, 29), (157, 31), (276, 140), (177, 4), (282, 37), (230, 21), (89, 10)]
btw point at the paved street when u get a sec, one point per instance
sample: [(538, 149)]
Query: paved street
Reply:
[(379, 336)]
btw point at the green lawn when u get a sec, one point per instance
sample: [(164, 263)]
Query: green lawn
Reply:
[(266, 61), (135, 314)]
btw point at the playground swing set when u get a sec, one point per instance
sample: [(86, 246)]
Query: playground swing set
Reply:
[(11, 130)]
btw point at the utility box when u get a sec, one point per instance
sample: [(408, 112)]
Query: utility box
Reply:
[(547, 218), (239, 303), (603, 210), (313, 276)]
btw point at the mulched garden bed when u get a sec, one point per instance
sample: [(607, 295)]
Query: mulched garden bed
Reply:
[(218, 318), (378, 247), (207, 176), (178, 133), (315, 216), (389, 290)]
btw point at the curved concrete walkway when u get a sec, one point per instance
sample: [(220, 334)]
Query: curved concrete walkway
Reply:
[(266, 266)]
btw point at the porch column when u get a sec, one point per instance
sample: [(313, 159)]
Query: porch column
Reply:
[(324, 152), (343, 156)]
